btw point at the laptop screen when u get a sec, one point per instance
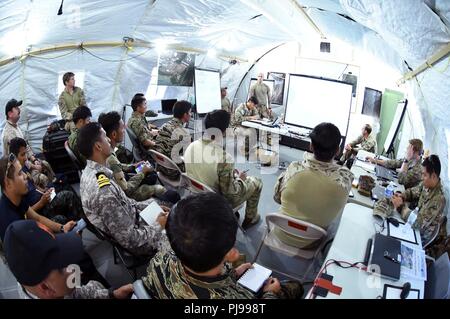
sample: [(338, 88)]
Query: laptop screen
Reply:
[(167, 106)]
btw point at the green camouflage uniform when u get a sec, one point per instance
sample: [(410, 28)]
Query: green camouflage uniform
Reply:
[(132, 187), (431, 204), (412, 177), (241, 114), (139, 125), (226, 104), (369, 144), (74, 147), (262, 93), (208, 163), (167, 279), (170, 134), (109, 209), (68, 103)]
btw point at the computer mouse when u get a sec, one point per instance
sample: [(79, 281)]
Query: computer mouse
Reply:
[(405, 290)]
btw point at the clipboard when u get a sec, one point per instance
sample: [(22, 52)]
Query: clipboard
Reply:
[(391, 233), (412, 291)]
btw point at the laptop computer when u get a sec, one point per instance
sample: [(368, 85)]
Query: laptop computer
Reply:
[(385, 173), (167, 106)]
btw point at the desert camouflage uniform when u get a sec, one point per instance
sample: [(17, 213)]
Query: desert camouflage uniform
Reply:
[(226, 104), (241, 114), (139, 125), (72, 141), (369, 144), (431, 204), (109, 209), (167, 279), (170, 134), (132, 187), (68, 103), (217, 172), (412, 177), (262, 93), (11, 131), (92, 290)]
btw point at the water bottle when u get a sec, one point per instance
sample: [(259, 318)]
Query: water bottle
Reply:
[(389, 191), (413, 216)]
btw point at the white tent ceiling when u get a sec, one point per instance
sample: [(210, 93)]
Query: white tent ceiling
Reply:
[(392, 30)]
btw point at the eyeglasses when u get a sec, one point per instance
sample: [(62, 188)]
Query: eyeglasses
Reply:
[(11, 159)]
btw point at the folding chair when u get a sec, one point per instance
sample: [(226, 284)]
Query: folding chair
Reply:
[(74, 159), (438, 279), (166, 162), (442, 223), (138, 150), (296, 228)]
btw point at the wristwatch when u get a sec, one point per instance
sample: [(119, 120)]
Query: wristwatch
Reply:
[(405, 161)]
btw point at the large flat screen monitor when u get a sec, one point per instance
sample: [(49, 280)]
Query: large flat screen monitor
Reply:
[(207, 90), (312, 100)]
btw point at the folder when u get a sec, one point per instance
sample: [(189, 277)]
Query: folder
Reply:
[(385, 258)]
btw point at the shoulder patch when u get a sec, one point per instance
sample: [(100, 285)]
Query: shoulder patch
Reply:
[(102, 180)]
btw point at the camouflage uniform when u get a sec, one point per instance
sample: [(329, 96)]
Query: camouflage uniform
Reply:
[(306, 208), (109, 209), (92, 290), (170, 134), (208, 163), (132, 187), (241, 114), (431, 204), (72, 141), (68, 103), (11, 131), (226, 104), (167, 279), (262, 93), (139, 125), (368, 144), (412, 177)]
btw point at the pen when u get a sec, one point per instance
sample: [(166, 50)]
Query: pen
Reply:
[(387, 256)]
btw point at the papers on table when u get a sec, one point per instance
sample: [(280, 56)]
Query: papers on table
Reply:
[(365, 166), (393, 292), (413, 263), (403, 232), (255, 277)]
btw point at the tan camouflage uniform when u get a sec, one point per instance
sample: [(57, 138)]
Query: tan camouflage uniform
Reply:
[(262, 93), (68, 103), (139, 125), (72, 141), (297, 206), (431, 204), (109, 209), (412, 177), (368, 144), (208, 163), (11, 131), (92, 290), (167, 279), (226, 104), (241, 114), (170, 134), (132, 187)]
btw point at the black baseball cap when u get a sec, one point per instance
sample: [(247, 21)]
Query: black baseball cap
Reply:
[(32, 251), (12, 104)]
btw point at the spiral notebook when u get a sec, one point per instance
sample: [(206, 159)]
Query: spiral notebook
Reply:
[(255, 277)]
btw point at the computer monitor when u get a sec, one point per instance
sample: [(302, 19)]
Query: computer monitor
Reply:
[(167, 106)]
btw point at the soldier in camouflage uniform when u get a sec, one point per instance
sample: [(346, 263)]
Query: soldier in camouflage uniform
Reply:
[(135, 187), (225, 102), (410, 173), (365, 141), (139, 125), (81, 116), (261, 91), (106, 205), (207, 162), (38, 260), (173, 133), (245, 112), (69, 99), (323, 206), (198, 265), (430, 197)]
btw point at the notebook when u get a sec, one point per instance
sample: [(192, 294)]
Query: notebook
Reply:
[(255, 277), (150, 213)]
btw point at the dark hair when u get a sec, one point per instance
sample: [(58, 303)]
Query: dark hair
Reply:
[(180, 108), (253, 99), (15, 144), (368, 128), (81, 113), (432, 165), (66, 77), (325, 140), (202, 229), (217, 119), (110, 122), (4, 161), (137, 100), (87, 137)]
